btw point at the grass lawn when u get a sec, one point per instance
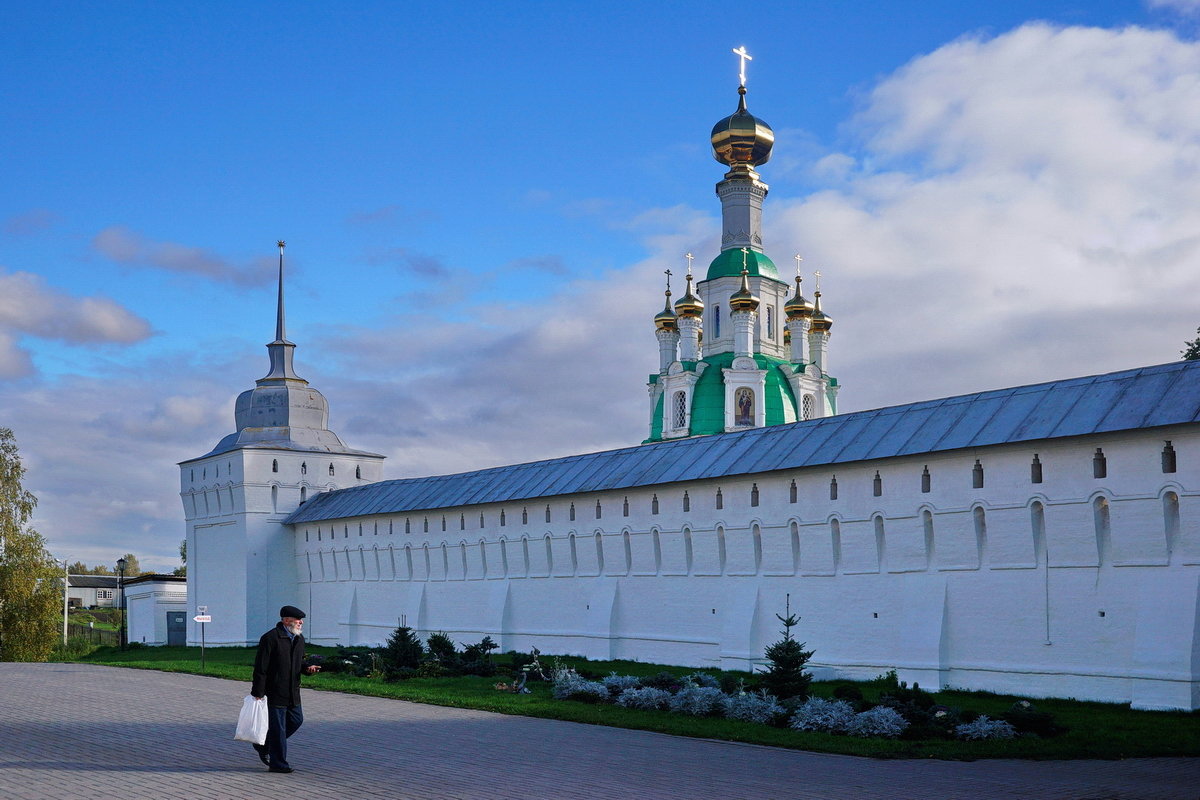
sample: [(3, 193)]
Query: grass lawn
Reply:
[(1097, 730)]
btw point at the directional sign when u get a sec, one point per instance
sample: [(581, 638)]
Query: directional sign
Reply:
[(202, 618), (201, 609)]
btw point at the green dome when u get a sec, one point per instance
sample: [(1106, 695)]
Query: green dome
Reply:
[(729, 265)]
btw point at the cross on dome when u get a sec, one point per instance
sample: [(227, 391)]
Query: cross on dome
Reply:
[(689, 258), (741, 53)]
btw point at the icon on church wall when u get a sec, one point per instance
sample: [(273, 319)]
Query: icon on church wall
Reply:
[(744, 403)]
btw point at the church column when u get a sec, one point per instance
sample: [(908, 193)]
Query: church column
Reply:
[(799, 314), (668, 348), (743, 310), (689, 309)]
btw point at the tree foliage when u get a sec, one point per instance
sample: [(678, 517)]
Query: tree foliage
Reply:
[(181, 570), (1191, 349), (30, 586)]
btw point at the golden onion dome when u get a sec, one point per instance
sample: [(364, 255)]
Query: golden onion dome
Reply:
[(689, 305), (797, 307), (666, 320), (821, 322), (743, 299), (741, 138)]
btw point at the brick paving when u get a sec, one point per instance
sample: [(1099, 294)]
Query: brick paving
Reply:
[(72, 730)]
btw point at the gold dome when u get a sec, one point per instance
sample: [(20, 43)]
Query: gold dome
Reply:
[(821, 322), (741, 138), (689, 305), (666, 319), (743, 299), (797, 307)]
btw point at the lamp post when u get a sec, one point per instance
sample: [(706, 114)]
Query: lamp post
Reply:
[(66, 596), (121, 589)]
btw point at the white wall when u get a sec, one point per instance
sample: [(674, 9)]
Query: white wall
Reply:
[(148, 604), (1020, 587)]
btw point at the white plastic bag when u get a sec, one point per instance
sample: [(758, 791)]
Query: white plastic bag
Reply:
[(252, 722)]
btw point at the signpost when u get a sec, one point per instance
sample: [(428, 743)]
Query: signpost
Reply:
[(202, 617)]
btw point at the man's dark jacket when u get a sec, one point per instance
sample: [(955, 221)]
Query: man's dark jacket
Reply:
[(277, 667)]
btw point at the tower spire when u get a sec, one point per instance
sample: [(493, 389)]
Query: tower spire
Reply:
[(280, 334), (280, 350)]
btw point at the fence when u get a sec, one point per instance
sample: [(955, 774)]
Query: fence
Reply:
[(94, 635)]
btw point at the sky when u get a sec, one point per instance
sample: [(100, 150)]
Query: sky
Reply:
[(479, 200)]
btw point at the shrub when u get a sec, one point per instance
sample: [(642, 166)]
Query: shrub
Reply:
[(665, 681), (703, 679), (570, 686), (785, 676), (403, 649), (647, 698), (76, 647), (732, 683), (848, 692), (985, 728), (817, 714), (697, 701), (761, 707), (618, 683), (1027, 720), (878, 721), (441, 649)]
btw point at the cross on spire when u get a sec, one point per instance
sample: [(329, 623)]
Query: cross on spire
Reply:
[(817, 275), (689, 258), (668, 273), (745, 255), (741, 53), (798, 258)]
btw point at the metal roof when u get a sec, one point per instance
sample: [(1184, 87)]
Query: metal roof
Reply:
[(93, 581), (1168, 394)]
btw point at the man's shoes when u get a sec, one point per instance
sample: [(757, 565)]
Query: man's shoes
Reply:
[(262, 754), (280, 769)]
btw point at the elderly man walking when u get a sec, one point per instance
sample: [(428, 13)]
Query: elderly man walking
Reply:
[(277, 669)]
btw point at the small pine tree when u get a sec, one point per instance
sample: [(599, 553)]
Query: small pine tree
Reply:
[(442, 649), (785, 677), (403, 649)]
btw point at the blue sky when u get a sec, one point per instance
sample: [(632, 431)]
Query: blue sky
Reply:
[(479, 199)]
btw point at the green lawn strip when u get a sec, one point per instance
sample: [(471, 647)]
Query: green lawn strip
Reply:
[(1097, 730)]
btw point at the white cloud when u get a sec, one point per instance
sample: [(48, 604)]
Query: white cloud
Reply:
[(1180, 6), (28, 307), (124, 246)]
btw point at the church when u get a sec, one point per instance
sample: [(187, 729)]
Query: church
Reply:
[(1040, 540)]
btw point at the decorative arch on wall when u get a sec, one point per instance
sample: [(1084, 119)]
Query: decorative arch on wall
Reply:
[(627, 548), (756, 537), (794, 530), (835, 543), (549, 550), (880, 544), (656, 541), (573, 547), (979, 517), (1037, 525), (1171, 522), (721, 548), (599, 542), (687, 549), (1103, 524)]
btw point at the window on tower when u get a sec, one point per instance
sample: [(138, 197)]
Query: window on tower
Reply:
[(716, 322), (680, 410), (806, 406), (770, 322)]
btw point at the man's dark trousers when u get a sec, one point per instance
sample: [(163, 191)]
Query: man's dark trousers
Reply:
[(283, 721)]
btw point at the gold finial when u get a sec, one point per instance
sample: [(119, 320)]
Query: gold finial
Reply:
[(689, 258), (741, 53), (281, 244)]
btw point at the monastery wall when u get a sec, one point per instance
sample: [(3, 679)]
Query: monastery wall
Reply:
[(955, 569)]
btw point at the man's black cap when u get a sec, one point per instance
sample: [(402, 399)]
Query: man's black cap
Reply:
[(291, 611)]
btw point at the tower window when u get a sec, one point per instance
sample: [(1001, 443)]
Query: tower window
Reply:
[(443, 522), (502, 520), (680, 410), (926, 480), (977, 475), (716, 322), (833, 488), (792, 492), (877, 488), (572, 512), (1035, 470), (1168, 458), (462, 522), (303, 467), (754, 495), (407, 525), (275, 465), (654, 504), (720, 499), (597, 509), (547, 513), (358, 472), (1099, 464), (687, 502), (331, 469), (524, 516), (770, 322), (625, 507), (806, 406), (481, 519), (426, 524)]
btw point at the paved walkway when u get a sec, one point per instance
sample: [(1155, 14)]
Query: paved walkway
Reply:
[(71, 730)]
